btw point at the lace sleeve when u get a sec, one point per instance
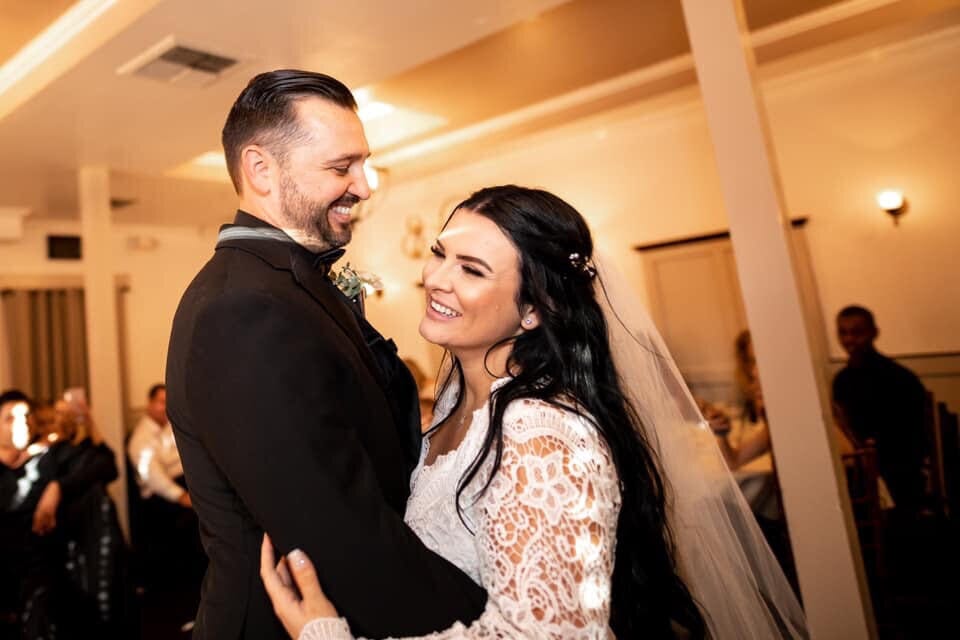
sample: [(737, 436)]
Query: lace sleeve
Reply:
[(545, 532)]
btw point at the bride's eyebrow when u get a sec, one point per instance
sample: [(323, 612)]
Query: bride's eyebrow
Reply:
[(474, 260), (466, 258)]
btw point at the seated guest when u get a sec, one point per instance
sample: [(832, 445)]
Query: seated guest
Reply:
[(752, 437), (85, 517), (153, 453), (747, 440), (27, 561), (166, 536), (60, 526), (874, 397), (84, 463)]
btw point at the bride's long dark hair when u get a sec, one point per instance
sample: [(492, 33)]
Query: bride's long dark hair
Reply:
[(568, 356)]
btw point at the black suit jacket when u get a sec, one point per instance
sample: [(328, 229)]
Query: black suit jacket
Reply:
[(286, 421)]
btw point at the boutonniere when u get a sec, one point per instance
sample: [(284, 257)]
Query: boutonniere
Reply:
[(351, 282)]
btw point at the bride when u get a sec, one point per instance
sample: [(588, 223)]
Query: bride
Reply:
[(567, 469)]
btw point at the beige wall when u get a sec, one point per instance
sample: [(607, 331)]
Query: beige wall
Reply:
[(842, 135), (155, 277), (645, 173)]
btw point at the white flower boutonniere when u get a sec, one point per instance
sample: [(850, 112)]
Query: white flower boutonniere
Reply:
[(351, 282)]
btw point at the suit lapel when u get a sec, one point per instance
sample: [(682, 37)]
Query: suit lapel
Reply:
[(322, 290), (282, 253), (374, 350)]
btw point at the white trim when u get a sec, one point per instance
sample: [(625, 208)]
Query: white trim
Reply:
[(572, 99), (814, 20), (76, 34), (948, 37), (56, 36), (148, 55), (667, 68), (41, 281)]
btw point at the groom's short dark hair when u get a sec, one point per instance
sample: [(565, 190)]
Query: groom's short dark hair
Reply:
[(264, 112)]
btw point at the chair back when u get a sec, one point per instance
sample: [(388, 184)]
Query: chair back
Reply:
[(933, 459), (950, 458), (863, 484)]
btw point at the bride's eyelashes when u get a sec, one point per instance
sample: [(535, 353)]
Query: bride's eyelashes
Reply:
[(470, 271), (438, 253)]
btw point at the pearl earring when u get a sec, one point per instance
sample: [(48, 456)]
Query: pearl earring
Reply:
[(528, 321)]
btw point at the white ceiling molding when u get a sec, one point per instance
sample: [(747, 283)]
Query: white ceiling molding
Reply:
[(542, 109), (814, 20), (641, 77), (68, 40), (796, 80)]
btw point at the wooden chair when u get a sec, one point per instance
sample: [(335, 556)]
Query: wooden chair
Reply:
[(950, 457), (863, 485), (933, 462)]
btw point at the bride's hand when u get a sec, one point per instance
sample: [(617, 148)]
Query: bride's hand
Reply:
[(284, 579)]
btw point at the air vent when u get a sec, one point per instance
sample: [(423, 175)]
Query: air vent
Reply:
[(64, 248), (173, 63), (122, 203), (198, 60)]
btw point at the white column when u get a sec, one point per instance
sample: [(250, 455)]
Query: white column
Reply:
[(100, 298), (824, 540)]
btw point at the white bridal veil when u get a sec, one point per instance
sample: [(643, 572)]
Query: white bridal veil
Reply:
[(721, 552)]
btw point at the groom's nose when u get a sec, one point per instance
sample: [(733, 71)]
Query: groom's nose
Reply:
[(360, 188)]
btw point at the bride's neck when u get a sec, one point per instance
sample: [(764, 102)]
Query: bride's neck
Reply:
[(477, 369)]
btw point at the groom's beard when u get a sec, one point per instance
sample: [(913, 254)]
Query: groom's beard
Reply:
[(309, 220)]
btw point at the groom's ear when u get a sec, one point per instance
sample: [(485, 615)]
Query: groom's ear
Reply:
[(258, 166)]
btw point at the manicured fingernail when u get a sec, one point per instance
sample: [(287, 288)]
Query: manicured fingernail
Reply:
[(297, 557)]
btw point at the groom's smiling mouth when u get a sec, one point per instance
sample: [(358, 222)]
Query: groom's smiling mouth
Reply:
[(443, 310), (340, 210)]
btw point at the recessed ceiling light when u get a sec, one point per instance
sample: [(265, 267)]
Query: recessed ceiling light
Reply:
[(374, 110), (210, 165), (400, 124), (386, 124), (372, 175), (211, 159)]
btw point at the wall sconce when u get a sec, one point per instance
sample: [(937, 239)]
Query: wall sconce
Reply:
[(414, 240), (377, 180), (372, 175), (893, 202)]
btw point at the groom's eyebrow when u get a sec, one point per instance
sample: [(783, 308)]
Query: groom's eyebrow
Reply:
[(352, 157)]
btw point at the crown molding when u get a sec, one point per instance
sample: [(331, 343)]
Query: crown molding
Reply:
[(526, 118)]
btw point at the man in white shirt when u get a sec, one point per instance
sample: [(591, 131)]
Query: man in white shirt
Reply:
[(153, 452), (166, 537)]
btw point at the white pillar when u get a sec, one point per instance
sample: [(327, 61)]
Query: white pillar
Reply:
[(824, 540), (100, 297)]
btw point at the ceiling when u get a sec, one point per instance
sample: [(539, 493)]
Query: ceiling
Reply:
[(22, 20), (464, 63)]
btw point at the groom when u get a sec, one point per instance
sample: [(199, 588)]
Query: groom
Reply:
[(291, 413)]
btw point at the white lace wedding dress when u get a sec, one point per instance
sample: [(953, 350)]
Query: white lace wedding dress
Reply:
[(543, 534)]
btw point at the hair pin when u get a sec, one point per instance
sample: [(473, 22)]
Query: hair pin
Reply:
[(583, 265)]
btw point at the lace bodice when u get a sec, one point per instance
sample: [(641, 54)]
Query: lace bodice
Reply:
[(540, 540)]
